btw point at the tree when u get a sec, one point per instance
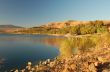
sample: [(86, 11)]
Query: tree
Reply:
[(98, 23), (102, 29), (87, 29), (74, 30)]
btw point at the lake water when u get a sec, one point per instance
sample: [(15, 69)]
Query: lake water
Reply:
[(17, 50)]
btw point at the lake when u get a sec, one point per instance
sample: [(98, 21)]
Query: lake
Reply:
[(17, 50)]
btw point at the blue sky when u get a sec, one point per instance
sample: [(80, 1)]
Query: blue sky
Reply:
[(30, 13)]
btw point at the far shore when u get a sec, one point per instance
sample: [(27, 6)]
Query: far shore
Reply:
[(57, 35), (35, 34)]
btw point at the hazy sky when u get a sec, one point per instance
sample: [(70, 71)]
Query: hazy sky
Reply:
[(30, 13)]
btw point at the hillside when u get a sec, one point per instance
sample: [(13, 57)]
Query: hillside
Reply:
[(9, 26), (71, 23)]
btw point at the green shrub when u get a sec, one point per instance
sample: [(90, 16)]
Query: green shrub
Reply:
[(98, 23), (102, 29), (74, 30), (87, 29)]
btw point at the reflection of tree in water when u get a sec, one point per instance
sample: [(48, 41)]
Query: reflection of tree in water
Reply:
[(77, 45), (55, 41), (2, 60)]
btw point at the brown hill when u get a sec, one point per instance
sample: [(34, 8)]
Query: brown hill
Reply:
[(71, 23)]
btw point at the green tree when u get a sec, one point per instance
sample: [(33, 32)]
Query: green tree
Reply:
[(102, 29), (87, 29), (98, 23), (74, 30)]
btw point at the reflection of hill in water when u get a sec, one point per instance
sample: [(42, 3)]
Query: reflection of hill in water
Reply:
[(49, 41)]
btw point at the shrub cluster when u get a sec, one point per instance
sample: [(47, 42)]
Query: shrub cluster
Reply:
[(82, 29)]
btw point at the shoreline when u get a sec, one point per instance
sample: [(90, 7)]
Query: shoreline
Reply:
[(34, 34), (74, 63)]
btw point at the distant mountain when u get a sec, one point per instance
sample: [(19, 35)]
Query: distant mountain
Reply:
[(9, 26)]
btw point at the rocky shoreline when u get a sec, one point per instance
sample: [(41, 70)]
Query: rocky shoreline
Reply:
[(87, 62)]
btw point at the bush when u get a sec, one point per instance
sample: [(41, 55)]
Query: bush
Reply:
[(98, 23), (102, 29), (64, 30), (87, 29), (74, 30)]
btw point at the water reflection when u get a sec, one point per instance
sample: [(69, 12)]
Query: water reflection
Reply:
[(49, 40), (71, 46)]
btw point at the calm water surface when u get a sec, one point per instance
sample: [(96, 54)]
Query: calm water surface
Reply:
[(17, 50)]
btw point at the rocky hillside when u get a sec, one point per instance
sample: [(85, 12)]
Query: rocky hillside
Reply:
[(70, 23)]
